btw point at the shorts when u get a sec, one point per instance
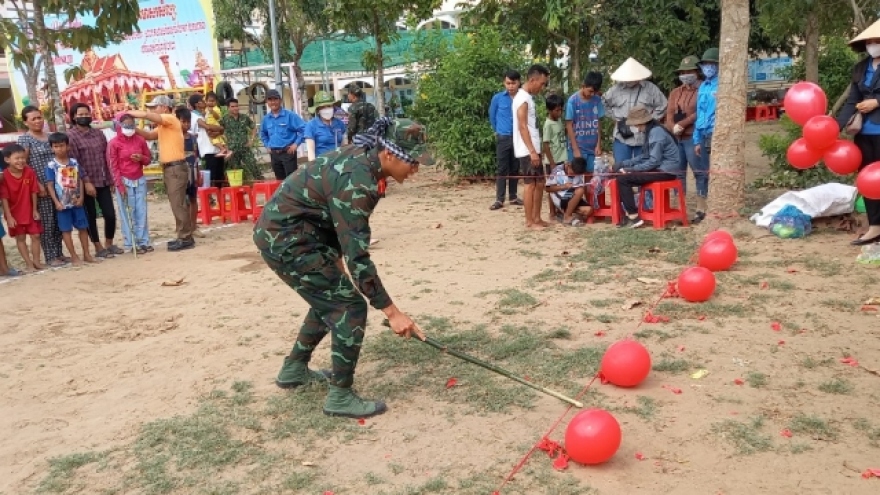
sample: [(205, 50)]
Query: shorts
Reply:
[(531, 174), (32, 228), (563, 203), (72, 218)]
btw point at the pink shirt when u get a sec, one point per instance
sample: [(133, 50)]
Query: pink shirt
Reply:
[(119, 153)]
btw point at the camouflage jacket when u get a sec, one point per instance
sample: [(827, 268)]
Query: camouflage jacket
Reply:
[(322, 211), (361, 116)]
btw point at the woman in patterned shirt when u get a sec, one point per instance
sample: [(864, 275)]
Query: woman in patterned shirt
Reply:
[(39, 152)]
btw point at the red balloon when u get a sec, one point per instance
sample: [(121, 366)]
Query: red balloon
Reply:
[(626, 363), (821, 132), (843, 157), (868, 181), (592, 437), (805, 100), (718, 234), (802, 156), (718, 255), (696, 284)]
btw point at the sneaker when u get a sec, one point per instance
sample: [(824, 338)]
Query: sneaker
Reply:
[(343, 402), (699, 217), (636, 224), (181, 244), (141, 250), (496, 206), (296, 373)]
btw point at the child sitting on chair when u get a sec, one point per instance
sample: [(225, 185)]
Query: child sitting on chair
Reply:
[(568, 191)]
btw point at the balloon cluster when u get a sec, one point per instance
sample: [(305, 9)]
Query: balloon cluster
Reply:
[(806, 104)]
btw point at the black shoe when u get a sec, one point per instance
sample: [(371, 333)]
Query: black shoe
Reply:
[(624, 222), (516, 202), (180, 245), (699, 217), (864, 242)]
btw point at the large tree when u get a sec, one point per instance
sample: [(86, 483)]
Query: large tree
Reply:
[(299, 24), (378, 19), (31, 36), (23, 51), (727, 180)]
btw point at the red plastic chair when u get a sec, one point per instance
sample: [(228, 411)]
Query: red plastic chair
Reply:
[(265, 190), (663, 212), (235, 203), (613, 211), (207, 213)]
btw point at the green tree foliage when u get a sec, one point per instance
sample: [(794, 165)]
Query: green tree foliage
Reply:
[(836, 61), (454, 93), (378, 18)]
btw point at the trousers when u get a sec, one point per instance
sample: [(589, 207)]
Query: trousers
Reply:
[(506, 166), (175, 175), (870, 148), (133, 206), (335, 307), (104, 199)]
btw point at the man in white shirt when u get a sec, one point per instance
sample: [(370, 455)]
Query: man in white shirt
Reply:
[(527, 143), (200, 128)]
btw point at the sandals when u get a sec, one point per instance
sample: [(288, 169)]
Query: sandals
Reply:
[(516, 202), (496, 206), (13, 273), (115, 250), (104, 254)]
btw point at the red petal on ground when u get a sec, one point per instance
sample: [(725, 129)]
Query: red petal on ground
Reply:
[(362, 421), (786, 433), (776, 326), (451, 382), (738, 381), (781, 342), (561, 462), (639, 456), (600, 333), (681, 348)]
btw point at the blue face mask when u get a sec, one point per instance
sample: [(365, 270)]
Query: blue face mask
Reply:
[(709, 70)]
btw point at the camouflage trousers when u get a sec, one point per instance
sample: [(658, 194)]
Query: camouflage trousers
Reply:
[(335, 307)]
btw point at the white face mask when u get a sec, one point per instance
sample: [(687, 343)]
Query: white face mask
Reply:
[(127, 132), (688, 79), (326, 113), (873, 50)]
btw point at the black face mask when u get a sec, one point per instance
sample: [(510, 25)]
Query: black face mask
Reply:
[(84, 121)]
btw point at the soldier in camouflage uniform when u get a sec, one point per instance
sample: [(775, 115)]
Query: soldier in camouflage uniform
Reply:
[(321, 213), (361, 115)]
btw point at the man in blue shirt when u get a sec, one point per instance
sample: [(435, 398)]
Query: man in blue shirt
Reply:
[(501, 118), (704, 128), (281, 132)]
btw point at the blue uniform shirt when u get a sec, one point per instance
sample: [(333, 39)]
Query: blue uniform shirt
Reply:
[(501, 113), (869, 128), (706, 102), (282, 130), (327, 137)]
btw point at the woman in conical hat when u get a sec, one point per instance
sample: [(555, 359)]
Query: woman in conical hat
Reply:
[(864, 99)]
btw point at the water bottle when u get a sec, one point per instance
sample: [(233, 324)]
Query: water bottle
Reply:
[(870, 255), (600, 165)]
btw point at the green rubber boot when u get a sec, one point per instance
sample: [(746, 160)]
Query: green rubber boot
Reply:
[(343, 402), (296, 373)]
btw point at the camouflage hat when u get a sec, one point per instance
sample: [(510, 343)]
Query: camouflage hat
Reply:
[(412, 138), (354, 89), (322, 99), (689, 63)]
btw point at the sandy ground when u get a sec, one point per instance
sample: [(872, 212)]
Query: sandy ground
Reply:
[(87, 355)]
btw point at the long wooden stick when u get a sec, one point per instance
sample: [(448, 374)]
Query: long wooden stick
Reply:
[(501, 371)]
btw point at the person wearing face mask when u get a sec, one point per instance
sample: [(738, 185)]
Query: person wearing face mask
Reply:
[(682, 113), (128, 154), (324, 133), (89, 147), (704, 128), (864, 99)]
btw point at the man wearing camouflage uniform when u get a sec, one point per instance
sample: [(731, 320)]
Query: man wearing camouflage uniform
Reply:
[(361, 115), (321, 213)]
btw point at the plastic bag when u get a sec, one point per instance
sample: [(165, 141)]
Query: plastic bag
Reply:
[(870, 255), (791, 223)]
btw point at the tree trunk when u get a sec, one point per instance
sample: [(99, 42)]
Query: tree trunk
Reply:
[(31, 77), (727, 177), (574, 61), (301, 86), (51, 76), (811, 50), (380, 78)]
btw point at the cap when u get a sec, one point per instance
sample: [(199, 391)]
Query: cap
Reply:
[(322, 99), (161, 100), (710, 55), (638, 115), (412, 138), (689, 63), (273, 94)]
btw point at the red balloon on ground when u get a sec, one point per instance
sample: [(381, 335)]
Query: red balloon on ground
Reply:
[(718, 234), (592, 437), (696, 284), (821, 132), (868, 181), (801, 156), (718, 255), (626, 363), (843, 157), (804, 101)]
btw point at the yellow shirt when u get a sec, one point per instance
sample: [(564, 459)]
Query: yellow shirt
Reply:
[(170, 137)]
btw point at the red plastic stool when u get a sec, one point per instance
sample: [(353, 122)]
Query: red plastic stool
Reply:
[(663, 211), (264, 189), (207, 213), (235, 203), (613, 211), (765, 112)]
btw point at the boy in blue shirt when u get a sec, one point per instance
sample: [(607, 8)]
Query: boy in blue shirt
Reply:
[(583, 114), (66, 190)]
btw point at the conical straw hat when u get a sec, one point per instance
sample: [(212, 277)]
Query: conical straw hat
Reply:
[(858, 43), (631, 71)]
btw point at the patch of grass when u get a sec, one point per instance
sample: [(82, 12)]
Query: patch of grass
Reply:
[(869, 430), (300, 481), (680, 310), (602, 303), (817, 428), (670, 365), (746, 438), (635, 245), (588, 276), (756, 379), (512, 299), (800, 448), (810, 363), (62, 471), (547, 275), (837, 386), (645, 409), (606, 318), (531, 254), (561, 333), (825, 266), (845, 305), (650, 333)]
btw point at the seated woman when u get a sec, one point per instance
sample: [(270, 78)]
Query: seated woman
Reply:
[(324, 133), (659, 161)]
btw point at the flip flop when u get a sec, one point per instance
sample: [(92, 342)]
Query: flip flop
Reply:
[(13, 273)]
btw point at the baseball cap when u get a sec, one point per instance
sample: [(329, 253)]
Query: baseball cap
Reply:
[(162, 100), (411, 136), (273, 93)]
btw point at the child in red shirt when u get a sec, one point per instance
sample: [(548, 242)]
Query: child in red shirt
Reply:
[(18, 191)]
